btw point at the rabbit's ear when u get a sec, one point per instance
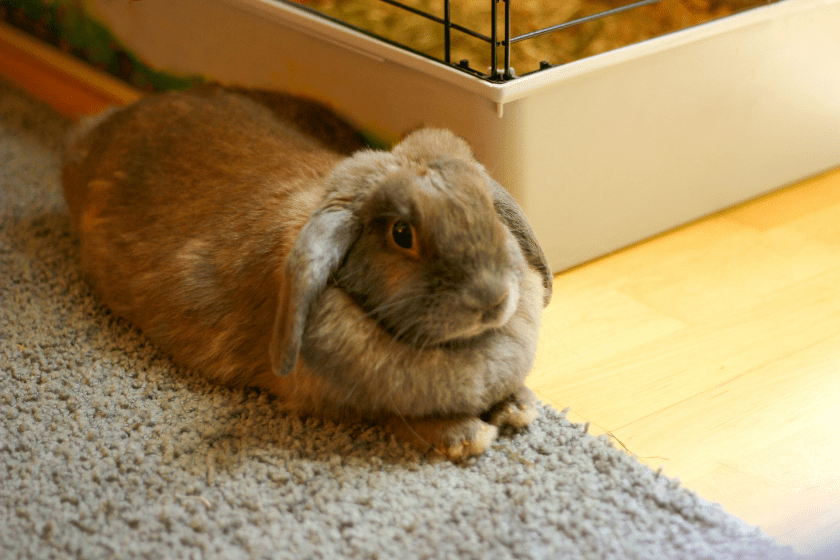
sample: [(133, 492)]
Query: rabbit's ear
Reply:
[(318, 251), (514, 218)]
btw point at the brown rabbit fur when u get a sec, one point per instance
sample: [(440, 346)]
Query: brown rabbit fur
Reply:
[(251, 236)]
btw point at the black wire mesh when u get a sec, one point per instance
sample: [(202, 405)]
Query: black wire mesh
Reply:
[(495, 41)]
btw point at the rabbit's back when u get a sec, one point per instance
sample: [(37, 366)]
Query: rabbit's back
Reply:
[(186, 206)]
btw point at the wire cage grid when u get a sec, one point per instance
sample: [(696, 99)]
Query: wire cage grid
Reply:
[(494, 41)]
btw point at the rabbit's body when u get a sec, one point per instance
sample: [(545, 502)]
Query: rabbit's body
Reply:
[(233, 229)]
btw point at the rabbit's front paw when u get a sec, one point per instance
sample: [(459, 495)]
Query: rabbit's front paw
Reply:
[(517, 410), (456, 438)]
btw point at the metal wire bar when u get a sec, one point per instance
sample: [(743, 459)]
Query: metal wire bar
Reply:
[(447, 32), (585, 19), (436, 19), (508, 73), (494, 70)]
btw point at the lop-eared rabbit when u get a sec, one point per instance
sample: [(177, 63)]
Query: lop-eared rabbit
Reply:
[(254, 238)]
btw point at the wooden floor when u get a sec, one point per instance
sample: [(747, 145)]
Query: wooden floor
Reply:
[(712, 351), (69, 86)]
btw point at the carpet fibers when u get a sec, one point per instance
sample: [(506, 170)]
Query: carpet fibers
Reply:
[(107, 450)]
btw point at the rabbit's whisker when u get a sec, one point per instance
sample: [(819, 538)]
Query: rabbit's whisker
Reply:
[(379, 309), (411, 428)]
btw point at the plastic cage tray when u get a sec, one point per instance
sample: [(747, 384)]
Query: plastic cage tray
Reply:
[(601, 152)]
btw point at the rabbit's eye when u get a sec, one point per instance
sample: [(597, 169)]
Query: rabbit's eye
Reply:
[(403, 234)]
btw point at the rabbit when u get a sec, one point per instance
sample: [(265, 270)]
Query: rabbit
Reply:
[(254, 237)]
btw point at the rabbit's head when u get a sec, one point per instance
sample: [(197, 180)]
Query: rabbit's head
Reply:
[(420, 238)]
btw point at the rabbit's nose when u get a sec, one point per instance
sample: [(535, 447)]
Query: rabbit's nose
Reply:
[(490, 297)]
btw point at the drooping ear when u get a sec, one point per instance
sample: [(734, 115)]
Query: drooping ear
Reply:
[(318, 251), (514, 218)]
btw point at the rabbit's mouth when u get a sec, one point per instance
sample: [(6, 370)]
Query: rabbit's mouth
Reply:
[(469, 323)]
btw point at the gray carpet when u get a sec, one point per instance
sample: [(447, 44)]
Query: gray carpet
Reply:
[(108, 451)]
